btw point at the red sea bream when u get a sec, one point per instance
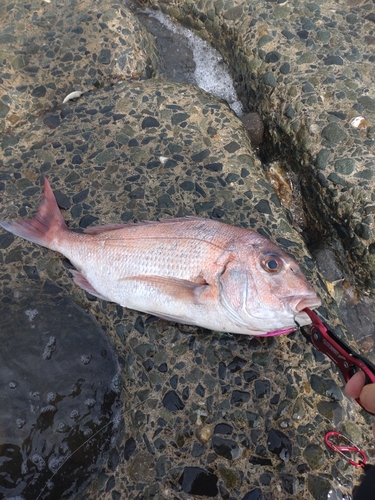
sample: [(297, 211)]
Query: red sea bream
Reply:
[(189, 270)]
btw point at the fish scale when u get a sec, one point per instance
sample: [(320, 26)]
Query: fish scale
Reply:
[(189, 270)]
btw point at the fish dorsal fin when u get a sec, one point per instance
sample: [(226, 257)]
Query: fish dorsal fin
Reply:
[(127, 225), (104, 228)]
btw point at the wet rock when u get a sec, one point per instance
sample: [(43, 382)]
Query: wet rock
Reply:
[(172, 402), (57, 405), (314, 455), (255, 494), (226, 448), (334, 133), (279, 444), (197, 481), (326, 387)]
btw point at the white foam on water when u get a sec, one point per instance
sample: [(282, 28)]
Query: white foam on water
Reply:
[(211, 73)]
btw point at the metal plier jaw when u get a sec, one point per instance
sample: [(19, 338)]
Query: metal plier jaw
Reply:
[(343, 356)]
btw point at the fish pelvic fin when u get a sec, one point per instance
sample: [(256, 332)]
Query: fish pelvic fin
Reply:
[(46, 224)]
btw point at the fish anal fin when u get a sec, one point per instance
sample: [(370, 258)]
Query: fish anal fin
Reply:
[(181, 289), (82, 282)]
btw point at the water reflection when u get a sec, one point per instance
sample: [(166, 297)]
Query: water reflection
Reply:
[(59, 387)]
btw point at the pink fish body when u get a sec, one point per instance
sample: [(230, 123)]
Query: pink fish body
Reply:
[(190, 270)]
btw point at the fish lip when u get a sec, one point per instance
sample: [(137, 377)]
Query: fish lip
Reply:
[(312, 302), (302, 319)]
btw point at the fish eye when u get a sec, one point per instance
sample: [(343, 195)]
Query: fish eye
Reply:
[(272, 264)]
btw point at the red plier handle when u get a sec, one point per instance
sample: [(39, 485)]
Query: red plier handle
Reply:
[(345, 358)]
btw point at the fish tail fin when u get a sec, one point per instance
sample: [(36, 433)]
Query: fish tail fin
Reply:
[(46, 224)]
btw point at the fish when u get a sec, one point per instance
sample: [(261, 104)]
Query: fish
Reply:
[(190, 270)]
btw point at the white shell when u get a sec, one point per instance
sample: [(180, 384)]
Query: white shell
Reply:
[(358, 122), (72, 95)]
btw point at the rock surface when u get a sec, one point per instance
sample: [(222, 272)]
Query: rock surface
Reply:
[(307, 68), (203, 413)]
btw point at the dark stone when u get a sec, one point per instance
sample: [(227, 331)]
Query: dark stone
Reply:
[(307, 87), (344, 166), (336, 179), (289, 483), (104, 56), (179, 118), (39, 91), (203, 207), (363, 231), (6, 239), (255, 494), (236, 364), (62, 200), (223, 368), (285, 68), (78, 198), (263, 207), (130, 447), (325, 387), (110, 484), (139, 325), (67, 57), (197, 481), (333, 60), (322, 158), (272, 57), (160, 444), (367, 102), (172, 402), (226, 448), (163, 368), (4, 110), (223, 428), (214, 167), (239, 397), (174, 381), (187, 186), (303, 34), (87, 220), (201, 156), (31, 272), (338, 114), (113, 459), (52, 121), (165, 201), (334, 133), (290, 111), (262, 388), (260, 461), (318, 487), (232, 147), (279, 444), (197, 450), (150, 121), (77, 160), (250, 375), (269, 79), (275, 399)]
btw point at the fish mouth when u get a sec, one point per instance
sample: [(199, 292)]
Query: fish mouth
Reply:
[(302, 318)]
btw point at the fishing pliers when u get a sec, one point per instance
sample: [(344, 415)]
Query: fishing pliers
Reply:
[(344, 357)]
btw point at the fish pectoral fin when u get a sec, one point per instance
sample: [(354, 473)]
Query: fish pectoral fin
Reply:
[(189, 291), (82, 282)]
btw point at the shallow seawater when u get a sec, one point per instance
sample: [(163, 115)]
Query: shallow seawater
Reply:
[(59, 395)]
